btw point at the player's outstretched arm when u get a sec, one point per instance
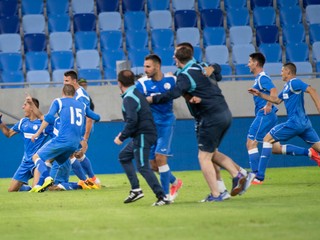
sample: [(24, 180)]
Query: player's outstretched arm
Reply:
[(5, 130), (315, 97), (256, 92)]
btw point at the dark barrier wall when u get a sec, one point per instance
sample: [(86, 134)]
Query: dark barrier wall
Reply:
[(103, 152)]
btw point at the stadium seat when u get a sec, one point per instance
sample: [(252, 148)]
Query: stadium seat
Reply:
[(241, 52), (168, 69), (243, 69), (304, 68), (57, 7), (160, 19), (316, 51), (137, 39), (9, 24), (297, 52), (84, 22), (138, 71), (310, 2), (88, 59), (109, 59), (60, 41), (314, 33), (273, 68), (290, 15), (10, 42), (182, 5), (62, 60), (264, 16), (211, 18), (135, 20), (36, 61), (312, 14), (57, 77), (153, 5), (293, 34), (10, 62), (267, 34), (214, 36), (162, 38), (85, 40), (197, 53), (261, 3), (234, 4), (129, 5), (82, 6), (287, 3), (8, 8), (318, 69), (238, 17), (59, 23), (33, 23), (166, 55), (185, 18), (91, 74), (217, 54), (136, 56), (208, 4), (240, 35), (12, 77), (110, 40), (32, 7), (107, 6), (188, 34), (271, 51), (38, 76), (109, 21), (35, 42), (226, 70)]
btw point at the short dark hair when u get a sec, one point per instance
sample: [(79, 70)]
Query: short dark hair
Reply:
[(126, 78), (259, 57), (186, 44), (153, 57), (36, 102), (71, 73), (68, 90), (292, 67), (183, 54)]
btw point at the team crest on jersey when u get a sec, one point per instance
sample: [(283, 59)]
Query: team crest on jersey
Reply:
[(167, 86), (285, 96), (35, 127)]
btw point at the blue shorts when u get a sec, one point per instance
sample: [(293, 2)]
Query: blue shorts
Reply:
[(163, 144), (286, 131), (261, 125), (60, 173), (56, 150), (24, 171)]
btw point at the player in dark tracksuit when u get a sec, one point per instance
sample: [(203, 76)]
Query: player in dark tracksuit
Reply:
[(140, 126)]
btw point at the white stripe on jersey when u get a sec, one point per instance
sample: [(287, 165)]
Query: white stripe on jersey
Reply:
[(258, 80), (28, 135), (142, 80), (60, 104), (80, 93), (20, 122), (291, 89)]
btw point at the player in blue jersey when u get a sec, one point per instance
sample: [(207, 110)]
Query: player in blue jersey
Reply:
[(265, 116), (27, 126), (140, 127), (297, 124), (59, 148), (154, 83)]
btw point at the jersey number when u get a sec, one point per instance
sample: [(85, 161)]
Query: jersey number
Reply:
[(76, 114)]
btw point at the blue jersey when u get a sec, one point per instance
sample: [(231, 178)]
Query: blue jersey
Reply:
[(82, 96), (163, 112), (264, 84)]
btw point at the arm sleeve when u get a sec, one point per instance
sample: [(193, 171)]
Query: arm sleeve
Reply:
[(130, 106), (217, 72), (266, 83), (91, 114), (54, 108)]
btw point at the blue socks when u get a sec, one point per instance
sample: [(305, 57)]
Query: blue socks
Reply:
[(165, 175), (294, 150), (264, 159), (77, 169), (86, 165), (254, 157)]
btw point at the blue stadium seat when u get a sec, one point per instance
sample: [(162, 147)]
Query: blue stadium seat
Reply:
[(211, 18), (57, 7), (188, 34), (160, 19), (34, 42), (135, 20), (153, 5), (88, 59), (314, 33), (9, 24), (183, 5), (84, 22), (138, 71), (185, 18), (226, 70), (310, 2), (36, 61), (91, 74), (290, 15), (168, 69), (60, 41), (137, 39), (59, 23), (8, 8), (304, 68), (271, 51), (312, 14), (129, 5), (62, 60), (267, 34), (38, 76), (214, 36), (32, 7), (136, 56), (273, 68), (240, 35), (12, 77), (10, 42), (10, 62), (316, 51), (162, 38), (109, 21), (197, 53), (208, 4), (82, 6), (166, 55), (243, 69), (263, 16), (241, 52), (57, 77), (109, 59), (293, 34), (287, 3), (238, 17), (297, 52), (85, 40), (110, 40), (261, 3), (107, 6), (234, 4), (318, 69), (217, 54), (33, 23)]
